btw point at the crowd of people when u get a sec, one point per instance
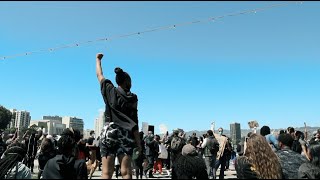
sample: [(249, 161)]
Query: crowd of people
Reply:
[(260, 156), (122, 149)]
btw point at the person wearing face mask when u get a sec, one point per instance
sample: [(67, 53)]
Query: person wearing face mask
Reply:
[(223, 158)]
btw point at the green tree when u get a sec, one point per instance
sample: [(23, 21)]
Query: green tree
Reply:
[(5, 117)]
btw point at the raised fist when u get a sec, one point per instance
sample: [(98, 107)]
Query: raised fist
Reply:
[(99, 56)]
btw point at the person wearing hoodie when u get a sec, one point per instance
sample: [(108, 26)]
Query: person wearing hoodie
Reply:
[(189, 165), (120, 133), (65, 165)]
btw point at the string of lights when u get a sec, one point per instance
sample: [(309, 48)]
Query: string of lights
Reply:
[(211, 19)]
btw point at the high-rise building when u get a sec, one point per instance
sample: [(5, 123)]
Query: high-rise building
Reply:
[(235, 133), (86, 133), (144, 128), (75, 123), (20, 118), (98, 123), (55, 118)]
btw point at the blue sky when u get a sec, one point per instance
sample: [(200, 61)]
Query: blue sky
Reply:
[(262, 66)]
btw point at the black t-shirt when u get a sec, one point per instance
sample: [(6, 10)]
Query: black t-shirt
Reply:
[(121, 106), (63, 167), (90, 140)]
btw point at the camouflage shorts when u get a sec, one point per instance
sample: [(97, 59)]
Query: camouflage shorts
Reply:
[(115, 140)]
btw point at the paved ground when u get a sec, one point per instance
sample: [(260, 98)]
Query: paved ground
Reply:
[(231, 174)]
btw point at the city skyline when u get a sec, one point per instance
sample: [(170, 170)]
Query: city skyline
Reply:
[(261, 66)]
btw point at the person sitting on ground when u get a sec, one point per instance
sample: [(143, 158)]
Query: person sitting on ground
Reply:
[(189, 165), (11, 166), (65, 165), (258, 161), (290, 160), (311, 170)]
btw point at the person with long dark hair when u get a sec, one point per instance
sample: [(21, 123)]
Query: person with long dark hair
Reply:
[(47, 151), (11, 166), (120, 134)]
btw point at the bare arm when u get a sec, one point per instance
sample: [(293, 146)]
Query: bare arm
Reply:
[(304, 149), (15, 134), (305, 132), (98, 67), (25, 134)]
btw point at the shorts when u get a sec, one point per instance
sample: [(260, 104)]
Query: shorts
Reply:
[(115, 141)]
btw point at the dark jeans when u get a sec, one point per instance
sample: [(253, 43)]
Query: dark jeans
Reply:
[(30, 163), (210, 164), (138, 167), (139, 171), (222, 162), (227, 163), (150, 163)]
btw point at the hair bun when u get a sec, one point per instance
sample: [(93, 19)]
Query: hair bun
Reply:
[(118, 70)]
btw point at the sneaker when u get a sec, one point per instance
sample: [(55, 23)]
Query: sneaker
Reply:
[(168, 172)]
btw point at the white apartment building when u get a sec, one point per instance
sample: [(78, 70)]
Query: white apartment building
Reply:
[(56, 118), (20, 119), (75, 123), (86, 133), (50, 126), (99, 123)]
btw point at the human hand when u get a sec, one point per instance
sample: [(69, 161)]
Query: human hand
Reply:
[(99, 56)]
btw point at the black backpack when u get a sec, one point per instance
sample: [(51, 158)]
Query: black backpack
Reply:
[(296, 146), (177, 143), (215, 147)]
